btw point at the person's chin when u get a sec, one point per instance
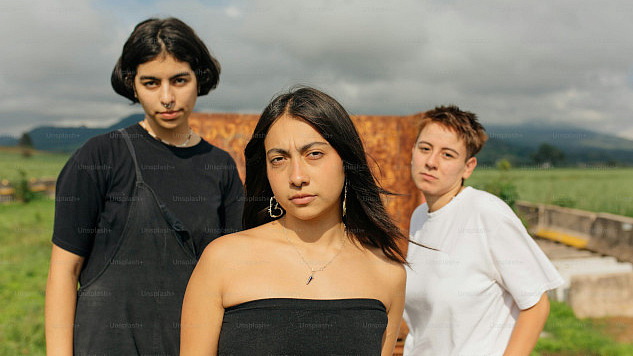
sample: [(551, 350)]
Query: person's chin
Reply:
[(308, 214), (169, 124), (424, 185)]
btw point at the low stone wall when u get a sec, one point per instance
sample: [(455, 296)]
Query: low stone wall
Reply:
[(613, 236), (602, 295), (600, 232), (595, 285)]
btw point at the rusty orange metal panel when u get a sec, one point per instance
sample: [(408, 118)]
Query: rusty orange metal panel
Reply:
[(388, 141)]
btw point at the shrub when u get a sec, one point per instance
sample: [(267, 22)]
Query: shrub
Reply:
[(23, 192)]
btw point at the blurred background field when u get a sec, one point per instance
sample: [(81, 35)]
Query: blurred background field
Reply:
[(608, 190), (40, 164), (25, 233)]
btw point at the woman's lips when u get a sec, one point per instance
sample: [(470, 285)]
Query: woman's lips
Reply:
[(169, 115), (302, 199), (428, 177)]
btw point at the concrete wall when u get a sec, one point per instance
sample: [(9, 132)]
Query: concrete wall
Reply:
[(600, 232), (602, 295), (595, 285), (613, 235)]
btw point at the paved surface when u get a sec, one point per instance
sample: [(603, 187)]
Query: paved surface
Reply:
[(558, 251), (599, 281)]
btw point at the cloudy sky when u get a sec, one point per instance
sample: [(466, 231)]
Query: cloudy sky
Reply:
[(508, 61)]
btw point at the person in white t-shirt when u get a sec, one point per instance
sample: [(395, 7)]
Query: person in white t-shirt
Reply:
[(477, 282)]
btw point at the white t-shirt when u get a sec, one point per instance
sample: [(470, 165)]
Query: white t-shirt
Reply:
[(478, 269)]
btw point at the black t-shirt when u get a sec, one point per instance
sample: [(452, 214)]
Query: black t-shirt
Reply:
[(200, 185)]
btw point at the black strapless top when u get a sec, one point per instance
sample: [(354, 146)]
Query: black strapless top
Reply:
[(288, 326)]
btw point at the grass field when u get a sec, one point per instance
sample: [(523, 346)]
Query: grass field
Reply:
[(599, 190), (566, 335), (39, 165), (25, 233)]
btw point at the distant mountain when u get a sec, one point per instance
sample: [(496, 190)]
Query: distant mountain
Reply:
[(515, 143), (8, 140), (68, 139), (565, 137)]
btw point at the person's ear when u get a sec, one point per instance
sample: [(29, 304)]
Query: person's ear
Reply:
[(471, 163)]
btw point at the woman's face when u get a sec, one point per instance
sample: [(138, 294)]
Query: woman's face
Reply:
[(166, 81), (305, 173), (439, 163)]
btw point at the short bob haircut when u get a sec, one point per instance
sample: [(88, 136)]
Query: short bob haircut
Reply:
[(464, 123), (366, 217), (154, 37)]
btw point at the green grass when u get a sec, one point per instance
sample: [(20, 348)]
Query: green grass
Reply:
[(25, 233), (39, 165), (26, 229), (567, 335), (600, 190)]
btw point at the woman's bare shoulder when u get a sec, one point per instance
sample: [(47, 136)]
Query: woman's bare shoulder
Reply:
[(236, 245), (390, 269)]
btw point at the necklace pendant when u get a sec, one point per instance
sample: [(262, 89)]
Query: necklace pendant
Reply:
[(310, 279)]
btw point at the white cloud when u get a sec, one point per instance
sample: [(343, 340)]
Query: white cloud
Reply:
[(233, 12), (509, 61)]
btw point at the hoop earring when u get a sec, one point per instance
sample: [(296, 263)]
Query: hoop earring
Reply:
[(345, 199), (275, 207)]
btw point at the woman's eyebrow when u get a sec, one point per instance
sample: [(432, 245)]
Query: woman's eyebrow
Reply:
[(443, 148), (302, 149), (277, 150), (151, 77), (312, 144), (182, 74)]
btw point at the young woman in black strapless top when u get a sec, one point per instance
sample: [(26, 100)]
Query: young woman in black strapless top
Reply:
[(319, 270)]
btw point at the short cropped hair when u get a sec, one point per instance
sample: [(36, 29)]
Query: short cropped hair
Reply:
[(464, 123), (154, 37)]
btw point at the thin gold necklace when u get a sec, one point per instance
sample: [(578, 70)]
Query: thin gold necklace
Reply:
[(313, 270), (165, 142)]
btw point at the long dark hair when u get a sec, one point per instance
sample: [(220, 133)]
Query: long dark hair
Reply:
[(366, 218), (152, 37)]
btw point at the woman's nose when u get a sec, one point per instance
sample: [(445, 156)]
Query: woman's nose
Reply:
[(166, 96), (431, 162), (298, 175)]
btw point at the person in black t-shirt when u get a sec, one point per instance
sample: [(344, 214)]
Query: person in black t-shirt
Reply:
[(136, 207)]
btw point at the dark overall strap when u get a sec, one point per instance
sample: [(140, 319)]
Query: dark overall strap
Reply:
[(126, 136)]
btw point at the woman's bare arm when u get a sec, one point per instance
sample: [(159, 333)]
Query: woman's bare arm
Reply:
[(528, 328), (394, 313), (202, 309), (61, 300)]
